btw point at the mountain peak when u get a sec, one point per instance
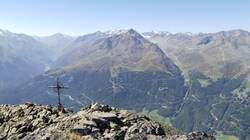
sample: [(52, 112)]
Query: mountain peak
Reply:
[(116, 31), (4, 32), (189, 34), (59, 35), (132, 31), (233, 33)]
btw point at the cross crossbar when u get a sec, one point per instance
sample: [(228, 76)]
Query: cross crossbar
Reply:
[(57, 87)]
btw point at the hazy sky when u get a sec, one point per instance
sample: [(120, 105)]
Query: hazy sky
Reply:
[(78, 17)]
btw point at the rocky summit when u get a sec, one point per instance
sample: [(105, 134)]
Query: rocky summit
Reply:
[(38, 122)]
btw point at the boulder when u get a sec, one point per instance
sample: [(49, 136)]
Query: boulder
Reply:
[(198, 135), (30, 122), (104, 115), (1, 120), (81, 131)]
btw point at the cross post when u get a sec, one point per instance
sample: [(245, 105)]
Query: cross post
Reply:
[(57, 87)]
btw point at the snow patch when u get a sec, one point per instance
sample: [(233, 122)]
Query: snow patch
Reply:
[(116, 31), (189, 34), (147, 36), (155, 32), (161, 32), (167, 33)]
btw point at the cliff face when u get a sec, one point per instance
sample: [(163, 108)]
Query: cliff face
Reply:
[(37, 122)]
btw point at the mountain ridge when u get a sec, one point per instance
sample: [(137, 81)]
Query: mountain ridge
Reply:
[(208, 87), (130, 43), (21, 55)]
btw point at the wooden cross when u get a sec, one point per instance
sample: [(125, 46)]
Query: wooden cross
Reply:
[(57, 87)]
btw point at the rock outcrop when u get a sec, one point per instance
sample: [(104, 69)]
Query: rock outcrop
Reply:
[(36, 122)]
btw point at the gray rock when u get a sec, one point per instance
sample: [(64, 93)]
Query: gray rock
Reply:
[(81, 131), (13, 130), (95, 132), (198, 135), (88, 123), (22, 129), (3, 136), (31, 122), (36, 122), (104, 115), (115, 126), (1, 120), (110, 136), (159, 131)]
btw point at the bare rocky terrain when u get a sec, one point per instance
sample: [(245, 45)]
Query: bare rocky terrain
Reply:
[(38, 122)]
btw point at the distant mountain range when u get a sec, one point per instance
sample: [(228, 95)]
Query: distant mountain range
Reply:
[(216, 69), (195, 81), (22, 57)]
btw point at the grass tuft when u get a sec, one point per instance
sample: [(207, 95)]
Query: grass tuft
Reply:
[(73, 136)]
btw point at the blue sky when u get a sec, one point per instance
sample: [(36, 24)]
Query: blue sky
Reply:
[(78, 17)]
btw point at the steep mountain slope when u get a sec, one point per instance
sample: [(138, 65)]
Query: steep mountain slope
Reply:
[(128, 50), (21, 58), (70, 53), (216, 67), (124, 70), (210, 54)]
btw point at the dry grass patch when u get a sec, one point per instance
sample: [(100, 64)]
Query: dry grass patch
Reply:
[(74, 136)]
